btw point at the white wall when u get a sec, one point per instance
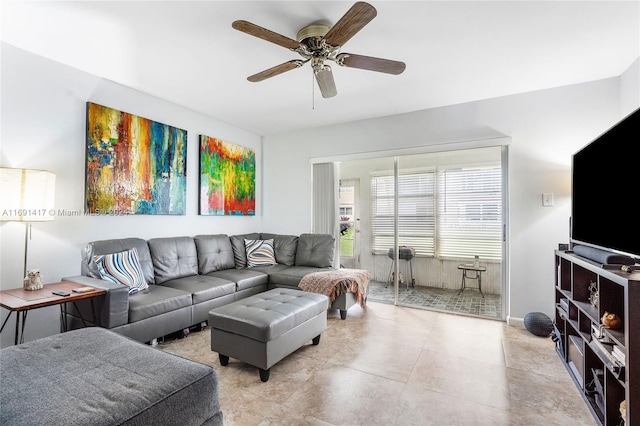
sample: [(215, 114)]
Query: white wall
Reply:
[(546, 128), (43, 127)]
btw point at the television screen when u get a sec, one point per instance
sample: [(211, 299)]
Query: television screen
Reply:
[(604, 180)]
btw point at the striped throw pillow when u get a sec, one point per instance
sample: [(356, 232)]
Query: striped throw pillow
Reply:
[(122, 268), (260, 253)]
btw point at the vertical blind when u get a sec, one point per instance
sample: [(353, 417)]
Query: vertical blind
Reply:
[(443, 212)]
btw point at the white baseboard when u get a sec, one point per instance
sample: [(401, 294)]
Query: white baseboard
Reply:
[(515, 321)]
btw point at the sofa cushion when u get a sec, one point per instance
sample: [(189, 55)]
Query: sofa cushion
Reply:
[(239, 249), (244, 278), (315, 250), (122, 268), (260, 253), (270, 269), (291, 276), (156, 300), (214, 253), (202, 287), (285, 247), (173, 257), (90, 269)]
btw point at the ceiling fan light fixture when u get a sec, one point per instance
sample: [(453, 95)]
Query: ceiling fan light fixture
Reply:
[(313, 30), (324, 78)]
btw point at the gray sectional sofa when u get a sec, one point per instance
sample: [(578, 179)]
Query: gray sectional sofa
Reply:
[(95, 377), (189, 276)]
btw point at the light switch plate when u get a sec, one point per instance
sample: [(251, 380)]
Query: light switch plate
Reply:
[(547, 199)]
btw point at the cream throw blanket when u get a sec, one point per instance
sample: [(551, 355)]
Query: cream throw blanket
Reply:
[(336, 282)]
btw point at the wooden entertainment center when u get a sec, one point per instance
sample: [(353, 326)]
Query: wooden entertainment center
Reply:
[(603, 379)]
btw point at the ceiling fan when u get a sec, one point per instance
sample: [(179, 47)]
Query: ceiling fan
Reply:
[(318, 43)]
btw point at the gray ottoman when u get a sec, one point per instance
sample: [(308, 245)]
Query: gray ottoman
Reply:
[(263, 329)]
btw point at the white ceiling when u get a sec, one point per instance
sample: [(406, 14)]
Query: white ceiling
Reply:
[(186, 52)]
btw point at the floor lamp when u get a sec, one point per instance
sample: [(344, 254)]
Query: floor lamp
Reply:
[(26, 196)]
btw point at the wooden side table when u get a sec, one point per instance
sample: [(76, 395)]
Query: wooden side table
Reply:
[(22, 301), (477, 275)]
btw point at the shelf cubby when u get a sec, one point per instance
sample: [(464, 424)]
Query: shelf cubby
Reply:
[(595, 391), (563, 278), (611, 299), (582, 279), (615, 393)]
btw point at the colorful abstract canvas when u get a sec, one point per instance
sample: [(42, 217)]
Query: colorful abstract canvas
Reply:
[(134, 165), (227, 178)]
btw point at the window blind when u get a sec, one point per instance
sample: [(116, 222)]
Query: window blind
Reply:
[(470, 212), (416, 212), (446, 212)]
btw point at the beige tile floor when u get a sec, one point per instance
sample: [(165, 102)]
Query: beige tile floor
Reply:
[(389, 365)]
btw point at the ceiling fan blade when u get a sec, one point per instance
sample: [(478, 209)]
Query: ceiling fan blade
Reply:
[(277, 70), (353, 21), (265, 34), (327, 85), (370, 63)]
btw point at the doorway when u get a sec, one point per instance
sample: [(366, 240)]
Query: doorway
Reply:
[(349, 223)]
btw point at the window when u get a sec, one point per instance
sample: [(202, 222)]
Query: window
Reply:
[(470, 212), (346, 211), (464, 222), (416, 212), (347, 220)]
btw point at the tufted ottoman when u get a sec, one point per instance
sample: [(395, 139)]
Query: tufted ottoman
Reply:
[(263, 329)]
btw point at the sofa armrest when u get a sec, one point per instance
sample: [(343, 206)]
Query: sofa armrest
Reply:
[(112, 308)]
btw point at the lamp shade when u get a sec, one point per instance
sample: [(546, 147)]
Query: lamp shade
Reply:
[(27, 195)]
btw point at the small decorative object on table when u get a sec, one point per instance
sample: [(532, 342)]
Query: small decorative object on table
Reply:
[(33, 280), (611, 321)]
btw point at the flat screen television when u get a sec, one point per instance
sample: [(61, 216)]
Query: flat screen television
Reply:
[(604, 180)]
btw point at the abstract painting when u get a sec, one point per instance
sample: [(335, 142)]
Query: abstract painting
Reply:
[(227, 178), (134, 165)]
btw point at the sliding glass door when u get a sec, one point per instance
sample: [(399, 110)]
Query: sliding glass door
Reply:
[(421, 218)]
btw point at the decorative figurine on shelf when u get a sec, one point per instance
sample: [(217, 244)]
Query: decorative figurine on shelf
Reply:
[(611, 321), (593, 294), (33, 280)]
